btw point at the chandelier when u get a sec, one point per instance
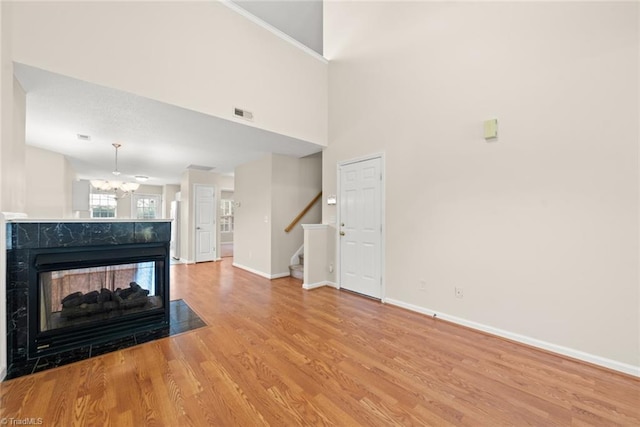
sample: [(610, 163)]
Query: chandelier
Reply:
[(121, 189)]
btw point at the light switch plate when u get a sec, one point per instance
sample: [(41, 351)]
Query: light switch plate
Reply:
[(491, 129)]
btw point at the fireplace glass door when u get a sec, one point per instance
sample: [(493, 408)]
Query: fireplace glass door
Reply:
[(79, 296)]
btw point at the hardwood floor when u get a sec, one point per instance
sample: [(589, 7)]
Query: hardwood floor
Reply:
[(274, 354)]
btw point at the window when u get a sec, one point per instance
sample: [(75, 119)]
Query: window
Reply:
[(226, 216), (103, 205), (146, 206)]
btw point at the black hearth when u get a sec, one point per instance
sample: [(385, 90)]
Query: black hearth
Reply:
[(75, 288)]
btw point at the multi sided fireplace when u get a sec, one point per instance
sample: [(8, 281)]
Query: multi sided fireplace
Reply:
[(83, 297), (76, 288)]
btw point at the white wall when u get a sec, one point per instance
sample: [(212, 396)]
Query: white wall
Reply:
[(48, 184), (13, 145), (539, 228), (226, 183), (316, 262), (6, 102), (252, 237), (213, 57)]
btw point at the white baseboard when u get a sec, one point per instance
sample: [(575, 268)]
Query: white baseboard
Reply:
[(313, 285), (3, 373), (279, 275), (251, 270), (318, 285), (260, 273), (565, 351)]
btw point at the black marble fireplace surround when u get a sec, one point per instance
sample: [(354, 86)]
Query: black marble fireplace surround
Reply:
[(34, 248)]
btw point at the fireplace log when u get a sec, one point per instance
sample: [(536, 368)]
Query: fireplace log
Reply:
[(91, 297), (132, 297), (105, 295), (110, 305), (71, 296), (133, 291), (82, 310), (72, 300)]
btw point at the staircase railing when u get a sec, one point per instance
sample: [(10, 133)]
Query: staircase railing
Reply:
[(303, 212)]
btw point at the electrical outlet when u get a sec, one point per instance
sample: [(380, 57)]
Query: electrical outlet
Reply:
[(459, 292), (422, 285)]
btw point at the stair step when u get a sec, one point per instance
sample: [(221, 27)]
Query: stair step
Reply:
[(297, 271)]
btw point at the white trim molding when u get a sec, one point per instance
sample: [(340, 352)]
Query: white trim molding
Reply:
[(313, 285), (251, 270), (251, 17), (554, 348), (260, 273), (319, 285), (315, 226)]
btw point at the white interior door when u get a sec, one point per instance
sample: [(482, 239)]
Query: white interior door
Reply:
[(205, 222), (361, 227)]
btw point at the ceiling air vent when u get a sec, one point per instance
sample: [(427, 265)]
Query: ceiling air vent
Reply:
[(82, 137), (243, 114), (201, 168)]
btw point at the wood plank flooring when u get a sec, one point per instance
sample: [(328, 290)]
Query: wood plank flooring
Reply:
[(274, 354)]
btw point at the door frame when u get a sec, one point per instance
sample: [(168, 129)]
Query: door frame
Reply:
[(383, 192)]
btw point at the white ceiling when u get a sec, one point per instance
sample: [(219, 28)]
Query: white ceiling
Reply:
[(158, 140)]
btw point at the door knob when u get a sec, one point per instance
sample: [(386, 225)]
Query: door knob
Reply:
[(197, 228), (342, 233)]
